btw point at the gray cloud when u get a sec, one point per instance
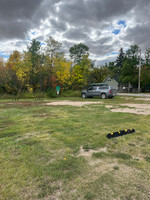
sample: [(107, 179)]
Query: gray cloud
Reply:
[(13, 29), (92, 13), (88, 21), (58, 25), (99, 47), (18, 9), (139, 35), (16, 17), (103, 62), (75, 34)]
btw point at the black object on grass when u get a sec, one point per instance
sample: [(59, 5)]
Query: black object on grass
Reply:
[(120, 133)]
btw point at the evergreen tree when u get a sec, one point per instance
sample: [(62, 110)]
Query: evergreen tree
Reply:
[(119, 61)]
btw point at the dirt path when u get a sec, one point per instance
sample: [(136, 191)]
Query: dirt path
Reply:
[(72, 103)]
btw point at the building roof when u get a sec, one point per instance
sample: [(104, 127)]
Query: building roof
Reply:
[(111, 78)]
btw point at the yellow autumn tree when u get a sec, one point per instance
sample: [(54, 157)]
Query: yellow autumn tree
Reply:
[(23, 70), (77, 77), (63, 72), (20, 66), (80, 72)]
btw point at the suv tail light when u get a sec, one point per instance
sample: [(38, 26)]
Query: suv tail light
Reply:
[(109, 91)]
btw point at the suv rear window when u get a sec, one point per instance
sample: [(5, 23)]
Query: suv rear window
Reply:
[(103, 87)]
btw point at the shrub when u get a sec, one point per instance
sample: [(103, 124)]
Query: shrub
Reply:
[(39, 94), (28, 95), (51, 93), (6, 96)]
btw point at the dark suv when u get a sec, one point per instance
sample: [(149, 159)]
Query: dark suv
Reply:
[(103, 91)]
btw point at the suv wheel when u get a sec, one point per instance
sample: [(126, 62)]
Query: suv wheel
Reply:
[(103, 96), (83, 95)]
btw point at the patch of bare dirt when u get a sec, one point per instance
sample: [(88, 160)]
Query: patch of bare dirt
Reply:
[(89, 153), (126, 98), (21, 104), (58, 194), (27, 135), (109, 106), (139, 109), (143, 99), (103, 166), (72, 103), (37, 135), (126, 172)]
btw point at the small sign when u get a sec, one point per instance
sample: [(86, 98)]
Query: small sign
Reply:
[(58, 88)]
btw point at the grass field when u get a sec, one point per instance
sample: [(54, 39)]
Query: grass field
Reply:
[(61, 152)]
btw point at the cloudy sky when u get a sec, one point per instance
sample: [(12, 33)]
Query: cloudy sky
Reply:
[(103, 25)]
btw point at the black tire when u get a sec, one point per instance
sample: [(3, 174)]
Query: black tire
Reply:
[(83, 95), (103, 96)]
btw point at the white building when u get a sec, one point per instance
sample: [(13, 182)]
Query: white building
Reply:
[(111, 82)]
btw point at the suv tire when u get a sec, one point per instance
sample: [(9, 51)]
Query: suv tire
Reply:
[(103, 96), (83, 95)]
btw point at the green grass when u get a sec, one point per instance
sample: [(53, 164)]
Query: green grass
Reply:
[(41, 157)]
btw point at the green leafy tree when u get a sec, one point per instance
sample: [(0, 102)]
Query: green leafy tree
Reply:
[(14, 63), (147, 56), (34, 54), (52, 48), (133, 51), (129, 72), (114, 70), (124, 69), (53, 55), (97, 75), (77, 52), (145, 77), (2, 76)]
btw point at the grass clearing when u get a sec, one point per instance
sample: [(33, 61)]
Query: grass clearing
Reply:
[(61, 152)]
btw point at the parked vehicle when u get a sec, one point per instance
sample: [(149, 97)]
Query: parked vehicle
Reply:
[(103, 91)]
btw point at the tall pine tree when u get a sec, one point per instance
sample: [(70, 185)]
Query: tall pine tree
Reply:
[(119, 61)]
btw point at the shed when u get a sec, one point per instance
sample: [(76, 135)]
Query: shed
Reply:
[(111, 82)]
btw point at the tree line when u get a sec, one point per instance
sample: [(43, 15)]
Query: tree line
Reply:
[(126, 67), (42, 69)]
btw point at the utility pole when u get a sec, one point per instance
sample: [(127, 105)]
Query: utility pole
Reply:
[(139, 79)]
